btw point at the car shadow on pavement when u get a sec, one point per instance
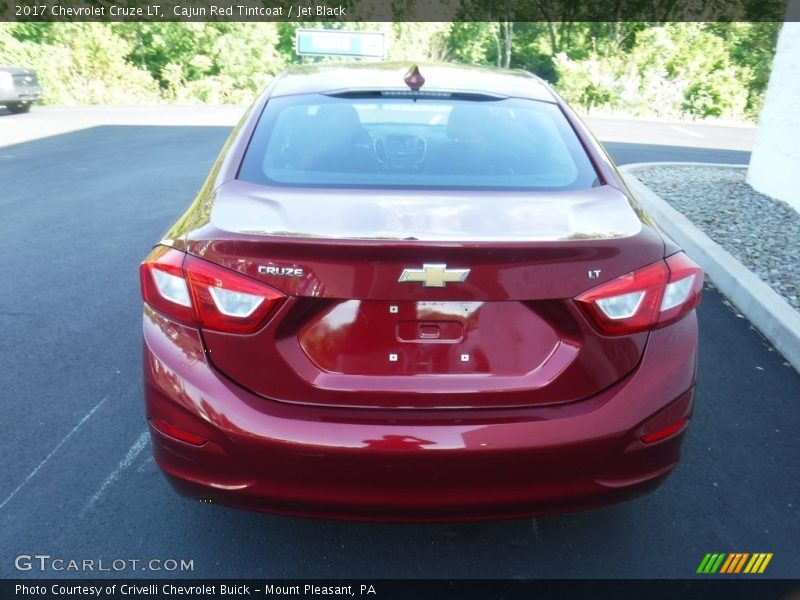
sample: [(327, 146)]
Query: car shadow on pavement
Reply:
[(552, 546)]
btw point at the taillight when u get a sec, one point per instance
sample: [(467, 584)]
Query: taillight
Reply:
[(684, 290), (654, 296), (164, 286), (202, 294)]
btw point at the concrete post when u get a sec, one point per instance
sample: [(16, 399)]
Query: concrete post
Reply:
[(775, 162)]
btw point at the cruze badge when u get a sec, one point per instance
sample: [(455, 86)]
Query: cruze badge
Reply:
[(280, 271), (434, 275)]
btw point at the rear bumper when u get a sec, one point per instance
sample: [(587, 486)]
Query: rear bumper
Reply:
[(421, 465), (20, 94)]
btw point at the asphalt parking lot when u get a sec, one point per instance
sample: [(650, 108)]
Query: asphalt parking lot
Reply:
[(80, 210)]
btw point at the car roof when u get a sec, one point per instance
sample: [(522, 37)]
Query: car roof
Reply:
[(15, 70), (354, 77)]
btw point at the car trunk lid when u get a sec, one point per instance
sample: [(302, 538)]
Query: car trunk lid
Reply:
[(392, 308)]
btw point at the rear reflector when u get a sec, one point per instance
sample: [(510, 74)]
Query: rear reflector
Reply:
[(669, 421), (654, 296), (203, 294), (177, 433), (663, 434)]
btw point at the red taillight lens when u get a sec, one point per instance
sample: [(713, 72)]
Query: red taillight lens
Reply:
[(202, 294), (164, 286), (684, 290), (629, 303), (653, 296), (227, 301)]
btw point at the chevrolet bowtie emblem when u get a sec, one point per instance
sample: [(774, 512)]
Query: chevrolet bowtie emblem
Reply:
[(434, 275)]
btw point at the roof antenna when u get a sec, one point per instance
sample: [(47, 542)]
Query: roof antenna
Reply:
[(414, 78)]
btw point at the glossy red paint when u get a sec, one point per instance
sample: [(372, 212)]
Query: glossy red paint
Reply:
[(357, 395), (546, 358), (411, 465)]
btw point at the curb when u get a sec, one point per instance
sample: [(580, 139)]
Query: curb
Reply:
[(756, 300)]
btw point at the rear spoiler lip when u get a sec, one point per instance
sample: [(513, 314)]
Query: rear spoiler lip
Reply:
[(404, 92)]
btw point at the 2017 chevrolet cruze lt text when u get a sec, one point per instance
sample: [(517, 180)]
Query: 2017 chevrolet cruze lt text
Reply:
[(416, 294)]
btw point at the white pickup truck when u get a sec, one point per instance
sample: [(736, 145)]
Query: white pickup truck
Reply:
[(19, 88)]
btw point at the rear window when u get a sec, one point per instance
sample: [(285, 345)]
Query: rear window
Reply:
[(430, 142)]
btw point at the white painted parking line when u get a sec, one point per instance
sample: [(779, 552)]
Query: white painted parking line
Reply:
[(126, 462), (145, 465), (686, 131), (52, 452)]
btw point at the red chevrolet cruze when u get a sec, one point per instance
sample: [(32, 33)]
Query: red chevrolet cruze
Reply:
[(416, 294)]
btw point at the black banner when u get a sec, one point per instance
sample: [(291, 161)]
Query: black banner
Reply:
[(398, 10), (387, 589)]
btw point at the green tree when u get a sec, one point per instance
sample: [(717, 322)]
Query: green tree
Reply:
[(77, 63), (648, 68)]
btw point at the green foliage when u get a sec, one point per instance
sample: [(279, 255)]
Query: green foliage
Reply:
[(77, 63), (751, 46), (674, 70), (472, 43), (418, 41), (205, 62)]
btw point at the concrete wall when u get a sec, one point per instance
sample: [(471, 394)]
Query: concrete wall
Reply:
[(775, 162)]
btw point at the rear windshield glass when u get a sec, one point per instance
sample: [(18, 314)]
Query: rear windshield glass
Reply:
[(399, 142)]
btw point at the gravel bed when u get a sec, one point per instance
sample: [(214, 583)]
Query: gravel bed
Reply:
[(760, 232)]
